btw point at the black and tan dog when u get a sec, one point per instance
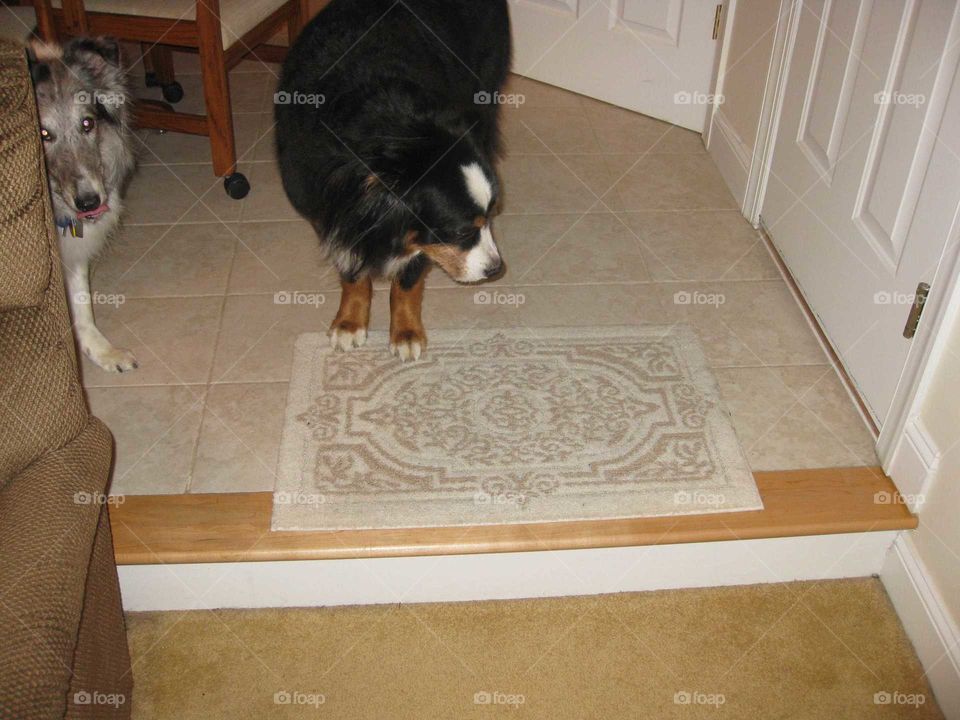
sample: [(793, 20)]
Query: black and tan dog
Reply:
[(387, 136)]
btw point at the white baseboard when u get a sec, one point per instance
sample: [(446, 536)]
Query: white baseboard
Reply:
[(731, 156), (929, 626), (913, 463), (308, 583)]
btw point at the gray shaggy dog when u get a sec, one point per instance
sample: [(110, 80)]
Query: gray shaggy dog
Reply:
[(84, 109)]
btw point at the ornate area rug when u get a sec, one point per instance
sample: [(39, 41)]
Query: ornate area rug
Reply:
[(507, 426)]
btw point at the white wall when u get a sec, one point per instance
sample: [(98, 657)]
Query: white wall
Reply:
[(937, 540), (922, 571), (749, 32)]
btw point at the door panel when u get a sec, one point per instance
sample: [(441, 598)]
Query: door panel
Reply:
[(659, 20), (561, 5), (865, 182), (899, 149), (828, 95), (652, 56)]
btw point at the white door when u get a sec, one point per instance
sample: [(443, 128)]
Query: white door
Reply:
[(652, 56), (865, 178)]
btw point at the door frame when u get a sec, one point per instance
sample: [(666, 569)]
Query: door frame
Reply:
[(905, 451), (774, 91), (728, 10)]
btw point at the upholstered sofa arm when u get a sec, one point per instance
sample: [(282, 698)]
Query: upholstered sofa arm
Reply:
[(63, 651)]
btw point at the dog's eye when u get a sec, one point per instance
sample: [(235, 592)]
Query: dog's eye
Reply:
[(45, 135), (88, 124)]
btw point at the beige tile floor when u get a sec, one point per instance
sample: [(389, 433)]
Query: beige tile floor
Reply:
[(609, 218)]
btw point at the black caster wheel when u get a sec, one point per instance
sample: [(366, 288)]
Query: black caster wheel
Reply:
[(173, 92), (236, 185)]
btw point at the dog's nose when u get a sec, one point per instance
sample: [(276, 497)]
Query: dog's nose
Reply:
[(493, 269), (87, 201)]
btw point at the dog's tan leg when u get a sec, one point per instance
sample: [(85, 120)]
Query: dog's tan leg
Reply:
[(349, 328), (408, 339)]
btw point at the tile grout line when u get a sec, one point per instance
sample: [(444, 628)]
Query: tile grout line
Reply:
[(278, 381), (466, 290), (530, 213), (213, 359), (154, 163)]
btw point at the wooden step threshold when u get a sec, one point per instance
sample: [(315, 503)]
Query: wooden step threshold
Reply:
[(235, 527)]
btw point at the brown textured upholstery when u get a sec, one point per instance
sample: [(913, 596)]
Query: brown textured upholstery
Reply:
[(41, 403), (24, 255), (62, 638)]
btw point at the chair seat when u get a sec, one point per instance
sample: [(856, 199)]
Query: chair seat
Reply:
[(237, 17)]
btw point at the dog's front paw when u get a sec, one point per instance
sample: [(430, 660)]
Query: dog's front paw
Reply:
[(346, 335), (112, 359), (407, 344)]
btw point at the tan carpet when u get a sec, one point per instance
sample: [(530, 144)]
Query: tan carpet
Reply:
[(798, 650), (507, 426)]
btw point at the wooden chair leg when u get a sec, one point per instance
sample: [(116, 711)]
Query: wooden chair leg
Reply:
[(46, 27), (299, 15), (216, 92), (158, 63), (163, 64), (75, 17), (158, 59)]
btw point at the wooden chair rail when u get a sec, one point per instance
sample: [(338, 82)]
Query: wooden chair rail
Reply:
[(153, 114), (179, 33)]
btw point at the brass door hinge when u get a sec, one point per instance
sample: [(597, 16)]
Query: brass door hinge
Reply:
[(913, 319), (716, 21)]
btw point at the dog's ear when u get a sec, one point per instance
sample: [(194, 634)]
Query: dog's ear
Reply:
[(93, 51), (39, 55), (96, 61), (39, 51)]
